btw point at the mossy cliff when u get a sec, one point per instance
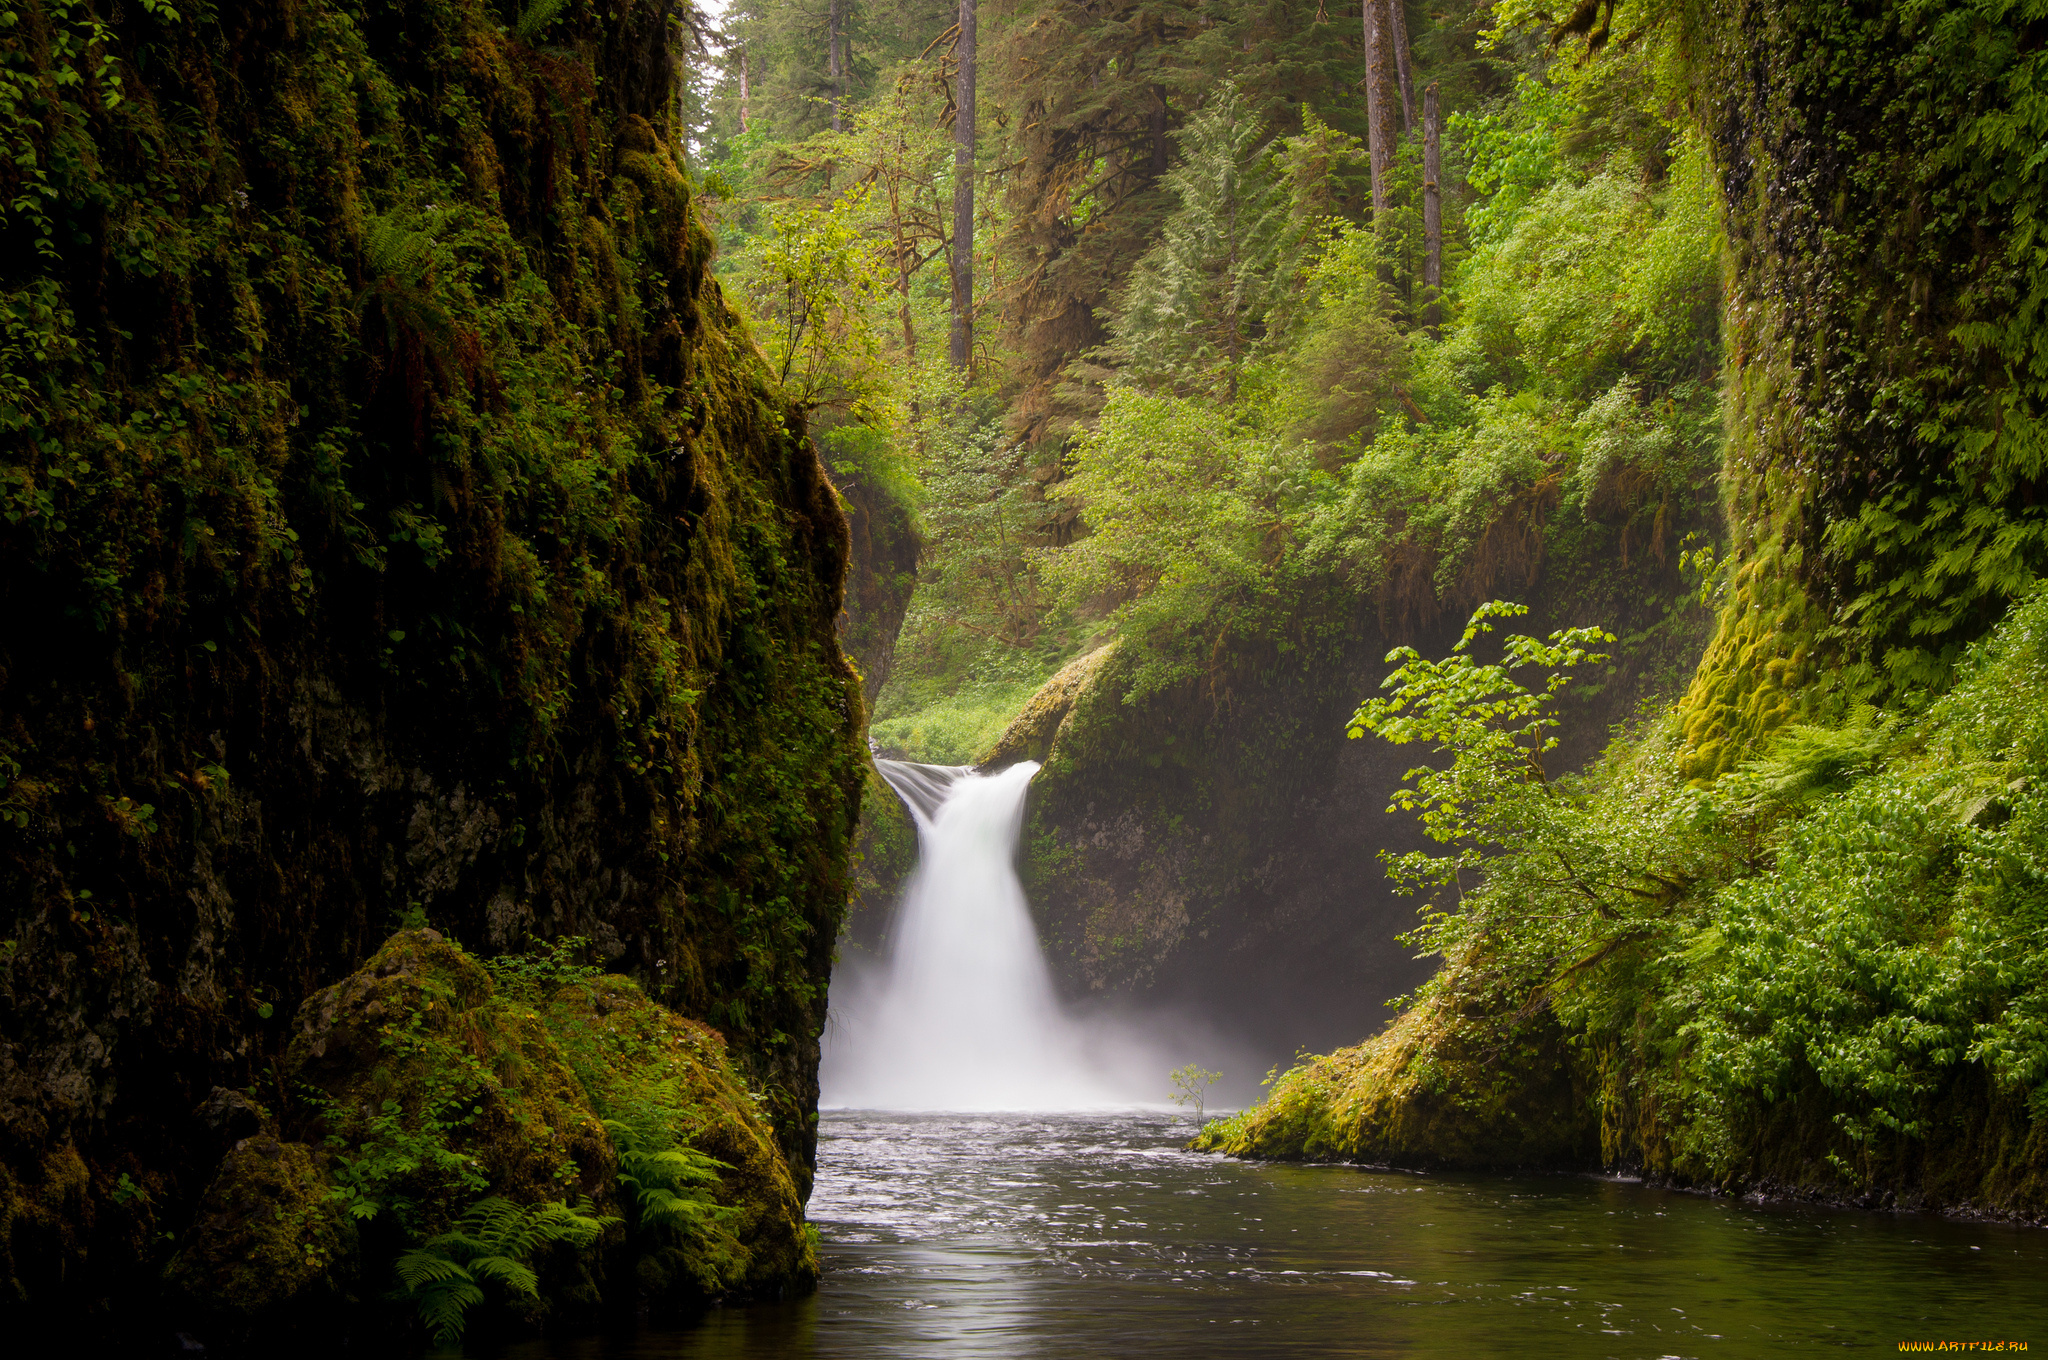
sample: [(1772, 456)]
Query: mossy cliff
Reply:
[(1823, 973), (881, 573), (398, 527), (1887, 354)]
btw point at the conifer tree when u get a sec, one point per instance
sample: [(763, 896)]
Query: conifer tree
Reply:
[(1198, 300)]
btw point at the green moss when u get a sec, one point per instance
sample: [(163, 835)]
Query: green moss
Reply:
[(407, 531), (433, 1089), (1447, 1085), (271, 1245), (888, 855), (637, 1060), (1886, 388)]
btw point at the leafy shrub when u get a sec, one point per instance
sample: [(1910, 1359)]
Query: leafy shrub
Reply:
[(535, 974)]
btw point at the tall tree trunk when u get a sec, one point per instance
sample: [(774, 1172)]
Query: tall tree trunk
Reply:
[(743, 91), (1403, 63), (1379, 106), (963, 195), (835, 66), (1230, 297), (1432, 211), (1156, 166)]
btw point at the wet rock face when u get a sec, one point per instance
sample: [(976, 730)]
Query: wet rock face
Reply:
[(1214, 847)]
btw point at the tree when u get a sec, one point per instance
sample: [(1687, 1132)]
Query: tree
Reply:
[(812, 285), (1432, 210), (961, 349), (1198, 300), (1191, 1086), (1381, 82)]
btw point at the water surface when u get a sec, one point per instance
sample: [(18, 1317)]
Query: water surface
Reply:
[(1037, 1235)]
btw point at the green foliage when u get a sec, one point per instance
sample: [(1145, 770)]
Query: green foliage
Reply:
[(493, 1243), (812, 283), (669, 1183), (1187, 510), (1496, 730), (1902, 934), (1567, 415), (534, 975), (1197, 302), (403, 1164)]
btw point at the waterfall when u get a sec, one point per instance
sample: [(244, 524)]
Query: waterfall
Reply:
[(962, 1015)]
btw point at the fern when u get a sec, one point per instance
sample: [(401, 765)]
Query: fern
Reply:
[(1805, 764), (668, 1182), (535, 18), (398, 265), (491, 1242), (401, 253)]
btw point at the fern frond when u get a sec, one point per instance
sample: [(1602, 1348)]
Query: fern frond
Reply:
[(535, 19), (514, 1275), (423, 1266), (441, 1308)]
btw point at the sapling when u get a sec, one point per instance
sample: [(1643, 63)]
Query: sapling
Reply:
[(1191, 1086)]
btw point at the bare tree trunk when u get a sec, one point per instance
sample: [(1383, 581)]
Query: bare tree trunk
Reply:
[(1156, 166), (835, 66), (1379, 106), (743, 91), (1230, 322), (1403, 63), (1432, 210), (963, 195)]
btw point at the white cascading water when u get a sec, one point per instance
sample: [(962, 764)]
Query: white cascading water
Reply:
[(962, 1016)]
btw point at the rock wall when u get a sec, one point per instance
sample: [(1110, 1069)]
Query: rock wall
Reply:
[(398, 530)]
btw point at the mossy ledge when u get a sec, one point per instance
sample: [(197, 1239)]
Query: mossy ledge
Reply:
[(1443, 1087), (396, 526), (1462, 1084)]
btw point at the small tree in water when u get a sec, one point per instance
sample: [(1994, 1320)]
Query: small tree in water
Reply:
[(1191, 1086)]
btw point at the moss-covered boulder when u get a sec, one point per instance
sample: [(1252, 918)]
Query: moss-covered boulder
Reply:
[(272, 1249), (1034, 732), (422, 1085), (1450, 1085), (640, 1063), (435, 1087)]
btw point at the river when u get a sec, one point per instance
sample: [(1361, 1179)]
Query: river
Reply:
[(1048, 1235)]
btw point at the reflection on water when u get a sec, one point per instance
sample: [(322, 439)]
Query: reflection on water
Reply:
[(1077, 1235)]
